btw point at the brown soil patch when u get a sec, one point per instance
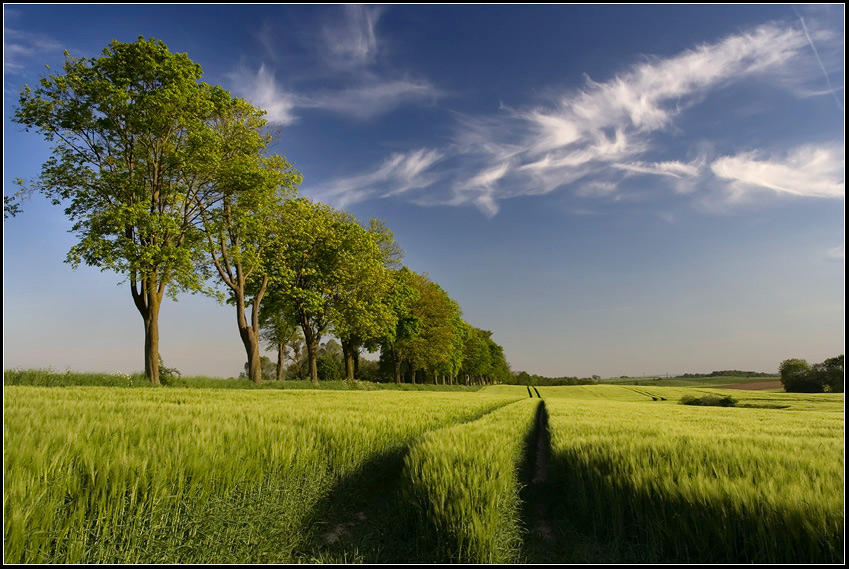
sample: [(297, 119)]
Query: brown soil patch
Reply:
[(755, 385)]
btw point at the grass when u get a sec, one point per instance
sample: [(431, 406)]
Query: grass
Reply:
[(127, 475), (102, 468), (464, 481), (671, 483)]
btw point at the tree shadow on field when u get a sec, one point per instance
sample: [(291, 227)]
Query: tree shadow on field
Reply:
[(365, 518), (596, 518), (548, 536)]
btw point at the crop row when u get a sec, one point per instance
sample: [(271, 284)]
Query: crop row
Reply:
[(697, 484), (464, 482), (101, 475), (97, 475)]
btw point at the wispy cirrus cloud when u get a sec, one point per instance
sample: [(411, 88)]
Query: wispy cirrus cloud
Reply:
[(346, 59), (672, 168), (351, 39), (19, 47), (838, 252), (261, 90), (373, 99), (611, 123), (812, 171), (398, 174), (597, 136)]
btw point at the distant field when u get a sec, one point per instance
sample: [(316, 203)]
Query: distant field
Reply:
[(612, 473), (757, 385), (722, 381)]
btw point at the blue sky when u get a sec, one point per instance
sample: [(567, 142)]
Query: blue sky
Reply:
[(611, 190)]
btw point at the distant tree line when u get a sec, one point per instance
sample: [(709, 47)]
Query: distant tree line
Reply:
[(728, 373), (799, 377), (525, 378)]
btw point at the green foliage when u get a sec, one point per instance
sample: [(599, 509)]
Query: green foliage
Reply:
[(830, 374), (144, 155), (52, 378), (268, 368), (436, 319), (167, 374), (328, 368), (727, 373), (524, 378), (328, 272), (710, 400), (115, 121), (239, 209), (798, 377)]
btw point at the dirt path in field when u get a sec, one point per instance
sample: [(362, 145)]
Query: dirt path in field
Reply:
[(536, 515), (755, 385)]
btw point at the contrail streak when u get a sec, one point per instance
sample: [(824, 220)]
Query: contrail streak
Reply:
[(817, 55)]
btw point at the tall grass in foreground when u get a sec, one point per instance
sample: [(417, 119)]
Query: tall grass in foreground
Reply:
[(464, 481), (664, 483), (115, 475)]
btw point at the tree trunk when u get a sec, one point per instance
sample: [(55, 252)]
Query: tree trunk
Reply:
[(396, 361), (250, 337), (151, 341), (412, 373), (147, 296), (312, 337), (281, 357), (348, 354), (312, 354), (248, 331)]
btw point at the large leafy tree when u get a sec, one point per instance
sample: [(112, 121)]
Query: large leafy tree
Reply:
[(365, 311), (402, 294), (244, 192), (125, 128), (437, 314), (830, 374), (477, 355), (323, 260), (796, 377)]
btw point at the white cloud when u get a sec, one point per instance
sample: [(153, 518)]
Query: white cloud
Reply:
[(398, 174), (813, 171), (673, 168), (362, 102), (837, 252), (21, 47), (375, 98), (609, 125), (346, 56), (353, 40), (261, 90), (596, 136)]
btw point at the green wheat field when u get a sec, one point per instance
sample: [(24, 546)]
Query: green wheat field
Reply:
[(113, 473)]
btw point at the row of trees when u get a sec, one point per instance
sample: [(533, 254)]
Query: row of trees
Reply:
[(525, 378), (799, 377), (728, 373), (170, 182)]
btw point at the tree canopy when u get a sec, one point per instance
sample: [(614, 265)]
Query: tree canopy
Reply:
[(127, 128)]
